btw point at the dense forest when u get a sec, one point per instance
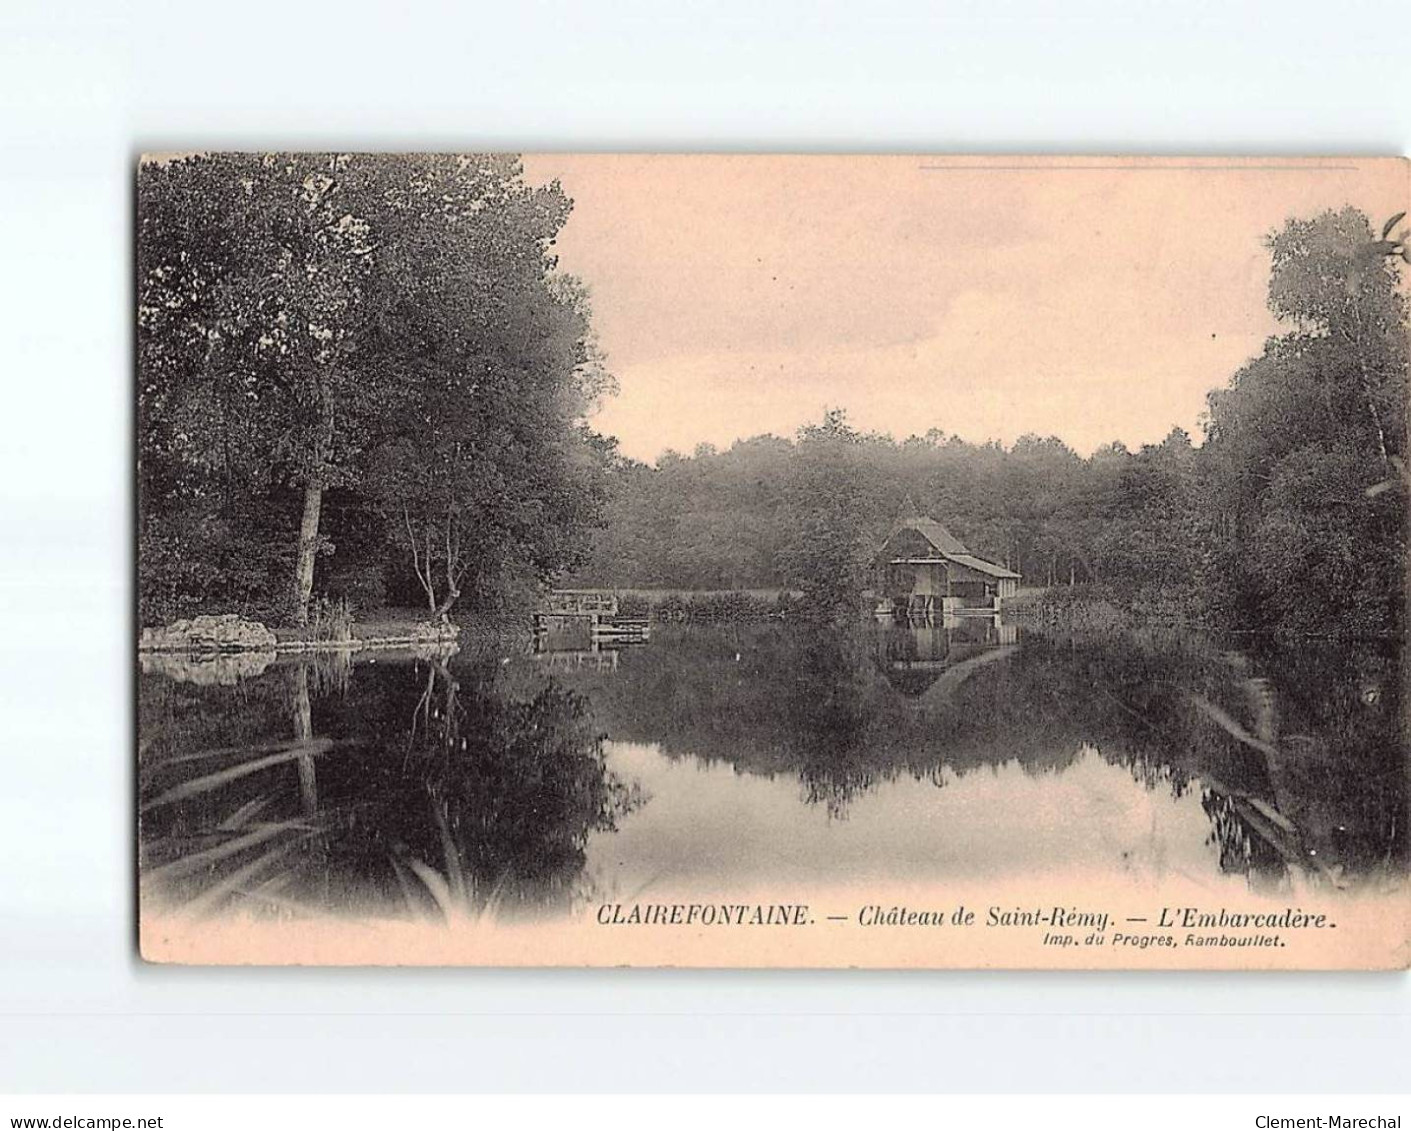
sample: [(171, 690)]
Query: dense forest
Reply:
[(1290, 515), (364, 379), (359, 377)]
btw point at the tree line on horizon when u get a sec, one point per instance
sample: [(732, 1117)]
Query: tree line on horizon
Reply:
[(760, 514), (1289, 516)]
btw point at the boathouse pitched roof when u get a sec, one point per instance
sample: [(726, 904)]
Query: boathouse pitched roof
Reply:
[(942, 539), (980, 565), (947, 547)]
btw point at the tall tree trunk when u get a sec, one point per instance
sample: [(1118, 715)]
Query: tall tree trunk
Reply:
[(453, 576), (446, 602), (313, 505), (1369, 400), (1365, 380), (308, 547)]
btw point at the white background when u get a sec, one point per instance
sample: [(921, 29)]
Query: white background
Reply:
[(86, 85)]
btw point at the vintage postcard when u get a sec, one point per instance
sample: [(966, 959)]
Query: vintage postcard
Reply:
[(812, 561)]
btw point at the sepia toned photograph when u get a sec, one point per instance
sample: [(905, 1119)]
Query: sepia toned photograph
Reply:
[(771, 561)]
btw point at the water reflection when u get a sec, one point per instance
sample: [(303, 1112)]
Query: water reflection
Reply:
[(511, 782), (412, 789), (712, 831), (934, 657)]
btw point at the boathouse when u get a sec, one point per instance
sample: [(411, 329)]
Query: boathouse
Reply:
[(923, 569)]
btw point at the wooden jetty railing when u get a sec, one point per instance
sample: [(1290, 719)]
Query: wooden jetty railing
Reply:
[(567, 609)]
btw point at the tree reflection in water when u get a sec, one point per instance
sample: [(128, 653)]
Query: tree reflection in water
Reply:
[(409, 789), (446, 788), (844, 710)]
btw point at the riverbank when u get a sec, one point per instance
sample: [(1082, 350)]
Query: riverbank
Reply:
[(230, 633), (381, 628), (1060, 609), (1086, 608), (1082, 608), (709, 606)]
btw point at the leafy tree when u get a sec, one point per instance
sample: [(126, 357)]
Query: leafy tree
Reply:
[(390, 328), (1305, 442), (251, 282), (1337, 284), (480, 460), (827, 555)]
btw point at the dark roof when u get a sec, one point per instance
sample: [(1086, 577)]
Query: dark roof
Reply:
[(948, 546), (981, 565), (935, 533)]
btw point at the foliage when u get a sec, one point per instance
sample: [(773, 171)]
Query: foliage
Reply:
[(1306, 449), (827, 553), (372, 364), (1289, 518), (729, 607), (331, 620), (387, 335), (808, 513)]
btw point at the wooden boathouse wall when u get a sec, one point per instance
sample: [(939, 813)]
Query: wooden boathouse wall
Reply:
[(923, 569)]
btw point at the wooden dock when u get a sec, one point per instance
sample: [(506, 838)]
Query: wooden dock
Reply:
[(566, 610)]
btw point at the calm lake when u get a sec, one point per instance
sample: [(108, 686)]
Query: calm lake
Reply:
[(714, 760)]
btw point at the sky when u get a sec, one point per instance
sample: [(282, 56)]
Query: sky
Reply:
[(1084, 298)]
